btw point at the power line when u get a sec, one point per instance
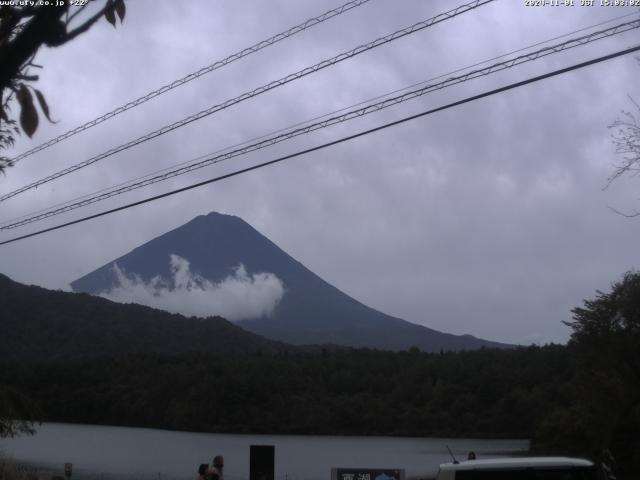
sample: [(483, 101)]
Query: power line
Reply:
[(611, 20), (262, 89), (343, 109), (335, 142), (388, 102), (331, 121), (192, 76)]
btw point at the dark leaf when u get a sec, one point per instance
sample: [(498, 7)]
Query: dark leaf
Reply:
[(56, 34), (5, 12), (28, 113), (43, 104), (3, 114), (110, 15), (120, 9)]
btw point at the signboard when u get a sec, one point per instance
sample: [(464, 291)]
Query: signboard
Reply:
[(367, 474), (68, 469), (261, 462)]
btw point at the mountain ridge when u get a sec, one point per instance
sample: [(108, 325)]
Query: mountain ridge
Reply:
[(311, 311), (44, 325)]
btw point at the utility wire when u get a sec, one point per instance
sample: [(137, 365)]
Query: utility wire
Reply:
[(88, 199), (505, 88), (388, 102), (318, 117), (192, 76), (343, 109), (262, 89)]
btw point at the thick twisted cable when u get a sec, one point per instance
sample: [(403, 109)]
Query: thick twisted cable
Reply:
[(192, 76), (338, 141), (375, 107), (290, 127), (247, 95)]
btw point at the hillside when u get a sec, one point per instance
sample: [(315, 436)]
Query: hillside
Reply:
[(312, 311), (462, 394), (39, 324)]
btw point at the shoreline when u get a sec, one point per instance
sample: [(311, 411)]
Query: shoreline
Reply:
[(101, 452), (496, 437)]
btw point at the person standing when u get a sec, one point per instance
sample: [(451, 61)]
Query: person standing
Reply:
[(202, 471), (215, 472)]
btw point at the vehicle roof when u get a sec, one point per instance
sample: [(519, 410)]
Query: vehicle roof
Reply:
[(517, 462)]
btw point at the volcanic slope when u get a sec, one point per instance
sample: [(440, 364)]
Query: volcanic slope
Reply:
[(311, 310)]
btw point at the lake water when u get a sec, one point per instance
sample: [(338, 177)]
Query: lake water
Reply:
[(102, 453)]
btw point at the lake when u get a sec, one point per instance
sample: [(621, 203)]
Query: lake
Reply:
[(101, 452)]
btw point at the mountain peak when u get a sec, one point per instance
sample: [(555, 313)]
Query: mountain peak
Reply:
[(310, 311), (217, 217)]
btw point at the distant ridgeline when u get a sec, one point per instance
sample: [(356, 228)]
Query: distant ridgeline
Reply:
[(41, 325), (89, 360), (311, 311)]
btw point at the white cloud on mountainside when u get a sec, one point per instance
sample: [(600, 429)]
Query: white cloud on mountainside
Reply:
[(239, 296)]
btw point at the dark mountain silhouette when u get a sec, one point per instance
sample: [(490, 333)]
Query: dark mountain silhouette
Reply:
[(311, 312), (37, 324)]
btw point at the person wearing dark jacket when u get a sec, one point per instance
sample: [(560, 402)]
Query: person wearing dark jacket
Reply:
[(202, 471)]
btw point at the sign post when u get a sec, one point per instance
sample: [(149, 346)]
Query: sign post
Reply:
[(68, 470), (262, 462)]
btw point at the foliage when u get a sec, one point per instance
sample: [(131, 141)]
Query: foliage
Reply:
[(16, 412), (86, 359), (612, 318), (626, 140), (605, 409), (89, 360), (485, 393), (24, 29), (39, 324)]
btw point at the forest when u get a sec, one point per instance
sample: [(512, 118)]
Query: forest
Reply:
[(486, 393), (575, 399)]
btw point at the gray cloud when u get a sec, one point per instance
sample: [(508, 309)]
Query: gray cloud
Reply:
[(487, 219)]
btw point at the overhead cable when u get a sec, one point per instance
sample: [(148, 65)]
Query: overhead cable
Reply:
[(334, 142), (260, 90), (192, 76), (371, 108), (318, 117)]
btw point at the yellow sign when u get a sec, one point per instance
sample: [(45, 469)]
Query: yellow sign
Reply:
[(68, 468)]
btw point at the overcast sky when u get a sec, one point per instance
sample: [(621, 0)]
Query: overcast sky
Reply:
[(489, 218)]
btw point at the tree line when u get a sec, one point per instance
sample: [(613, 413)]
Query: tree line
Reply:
[(486, 393), (575, 399)]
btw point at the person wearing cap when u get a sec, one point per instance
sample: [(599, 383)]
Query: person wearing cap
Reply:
[(217, 466)]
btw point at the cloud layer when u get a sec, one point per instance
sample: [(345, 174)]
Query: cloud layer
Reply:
[(488, 219), (238, 296)]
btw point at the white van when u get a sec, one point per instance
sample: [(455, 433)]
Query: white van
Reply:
[(527, 468)]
